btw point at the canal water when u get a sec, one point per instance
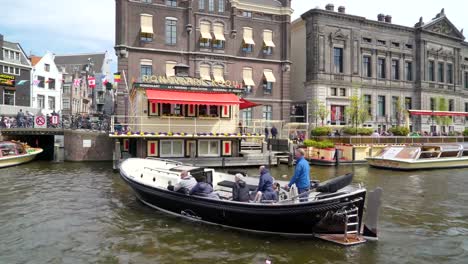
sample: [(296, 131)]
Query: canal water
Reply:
[(84, 213)]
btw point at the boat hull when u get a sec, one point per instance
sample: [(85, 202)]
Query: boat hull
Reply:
[(418, 164), (19, 159), (300, 219)]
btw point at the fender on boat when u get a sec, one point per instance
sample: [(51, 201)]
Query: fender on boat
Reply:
[(372, 214)]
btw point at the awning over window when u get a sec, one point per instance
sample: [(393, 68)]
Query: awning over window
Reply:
[(248, 36), (268, 38), (244, 104), (218, 73), (146, 22), (205, 72), (191, 98), (170, 71), (247, 75), (205, 30), (269, 77), (218, 30)]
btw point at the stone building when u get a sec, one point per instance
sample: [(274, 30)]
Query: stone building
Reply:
[(245, 41), (392, 67)]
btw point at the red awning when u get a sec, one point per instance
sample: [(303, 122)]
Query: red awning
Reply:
[(191, 98), (244, 104), (436, 113)]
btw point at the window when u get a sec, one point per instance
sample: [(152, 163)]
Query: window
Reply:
[(171, 31), (267, 112), (408, 103), (451, 106), (395, 106), (214, 111), (432, 105), (208, 111), (247, 14), (409, 46), (211, 5), (8, 97), (248, 43), (248, 48), (146, 68), (367, 40), (171, 3), (246, 116), (338, 59), (440, 72), (366, 66), (333, 91), (381, 68), (267, 50), (172, 148), (450, 73), (17, 56), (381, 106), (205, 35), (368, 103), (51, 84), (431, 71), (41, 81), (466, 80), (248, 82), (201, 4), (146, 30), (395, 70), (17, 71), (381, 42), (409, 70), (51, 102), (268, 43), (47, 67), (172, 110), (66, 103), (219, 40), (66, 89), (342, 91), (205, 43), (221, 6), (204, 70), (267, 87), (166, 109), (147, 1), (269, 79), (208, 148), (40, 101), (395, 44)]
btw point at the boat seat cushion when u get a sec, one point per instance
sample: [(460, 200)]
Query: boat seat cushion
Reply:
[(230, 184)]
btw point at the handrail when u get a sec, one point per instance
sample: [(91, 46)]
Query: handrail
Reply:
[(160, 170)]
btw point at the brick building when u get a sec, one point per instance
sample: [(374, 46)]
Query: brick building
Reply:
[(247, 41)]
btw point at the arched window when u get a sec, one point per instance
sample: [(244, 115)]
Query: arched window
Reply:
[(219, 40)]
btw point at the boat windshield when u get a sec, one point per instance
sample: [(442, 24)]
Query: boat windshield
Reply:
[(399, 153), (10, 149)]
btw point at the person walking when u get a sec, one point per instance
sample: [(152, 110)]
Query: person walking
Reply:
[(274, 132), (301, 177)]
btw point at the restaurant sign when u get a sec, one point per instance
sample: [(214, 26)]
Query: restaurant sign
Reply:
[(7, 80), (189, 81)]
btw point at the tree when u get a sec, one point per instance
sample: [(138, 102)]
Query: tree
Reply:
[(321, 111), (400, 111), (358, 110), (443, 120)]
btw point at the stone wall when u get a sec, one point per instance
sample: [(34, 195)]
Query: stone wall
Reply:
[(88, 146)]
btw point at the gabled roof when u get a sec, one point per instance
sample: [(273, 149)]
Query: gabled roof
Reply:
[(35, 60), (79, 61), (442, 25), (17, 47)]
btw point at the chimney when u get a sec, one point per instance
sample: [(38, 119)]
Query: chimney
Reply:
[(381, 17), (388, 19), (330, 7), (181, 70), (341, 9)]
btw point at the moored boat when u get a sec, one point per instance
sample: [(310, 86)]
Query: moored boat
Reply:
[(334, 207), (14, 153), (426, 156)]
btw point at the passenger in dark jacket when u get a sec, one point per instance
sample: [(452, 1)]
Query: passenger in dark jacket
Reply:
[(240, 191), (265, 186), (203, 189)]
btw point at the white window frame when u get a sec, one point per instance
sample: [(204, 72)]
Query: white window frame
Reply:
[(171, 155), (14, 96), (43, 101), (210, 152)]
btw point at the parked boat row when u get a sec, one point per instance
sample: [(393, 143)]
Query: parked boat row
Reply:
[(14, 153)]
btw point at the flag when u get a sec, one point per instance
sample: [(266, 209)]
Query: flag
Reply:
[(36, 82), (104, 80), (22, 82), (77, 82), (47, 81), (117, 77), (92, 82)]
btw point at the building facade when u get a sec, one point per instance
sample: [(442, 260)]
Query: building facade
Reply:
[(78, 96), (391, 67), (46, 84), (15, 75), (243, 41)]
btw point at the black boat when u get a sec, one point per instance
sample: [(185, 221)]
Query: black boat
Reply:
[(334, 207)]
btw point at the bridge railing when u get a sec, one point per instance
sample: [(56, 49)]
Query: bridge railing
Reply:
[(393, 139), (65, 122)]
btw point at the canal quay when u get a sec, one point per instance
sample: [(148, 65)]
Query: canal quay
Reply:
[(84, 213)]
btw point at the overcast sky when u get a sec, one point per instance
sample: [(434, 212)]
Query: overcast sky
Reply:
[(70, 26)]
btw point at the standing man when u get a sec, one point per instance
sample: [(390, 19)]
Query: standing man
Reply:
[(301, 175), (274, 132)]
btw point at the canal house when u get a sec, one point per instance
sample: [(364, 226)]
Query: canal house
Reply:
[(183, 117)]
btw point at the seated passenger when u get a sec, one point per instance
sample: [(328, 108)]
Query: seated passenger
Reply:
[(186, 183), (240, 191), (265, 186), (202, 188)]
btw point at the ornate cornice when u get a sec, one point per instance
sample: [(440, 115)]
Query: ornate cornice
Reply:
[(282, 11)]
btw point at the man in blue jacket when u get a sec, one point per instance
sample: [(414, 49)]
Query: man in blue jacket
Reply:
[(301, 175), (265, 186)]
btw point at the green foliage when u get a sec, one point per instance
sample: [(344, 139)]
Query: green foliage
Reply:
[(358, 131), (465, 132), (321, 110), (357, 111), (321, 131), (443, 120), (400, 131), (319, 144)]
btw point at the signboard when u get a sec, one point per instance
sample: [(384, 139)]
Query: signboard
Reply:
[(54, 120), (7, 80), (87, 143), (188, 88), (40, 122)]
